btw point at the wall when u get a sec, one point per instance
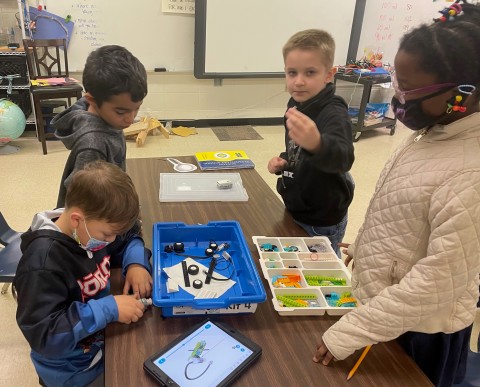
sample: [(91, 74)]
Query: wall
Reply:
[(181, 96), (157, 38)]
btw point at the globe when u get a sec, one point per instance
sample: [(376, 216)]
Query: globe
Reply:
[(12, 123)]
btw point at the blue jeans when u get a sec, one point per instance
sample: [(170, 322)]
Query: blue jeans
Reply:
[(334, 233)]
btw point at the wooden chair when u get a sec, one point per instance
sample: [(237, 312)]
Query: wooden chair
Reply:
[(46, 60)]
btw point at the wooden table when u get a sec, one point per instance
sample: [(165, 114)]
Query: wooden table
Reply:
[(288, 342)]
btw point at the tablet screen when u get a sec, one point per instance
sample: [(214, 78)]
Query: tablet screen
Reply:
[(208, 356)]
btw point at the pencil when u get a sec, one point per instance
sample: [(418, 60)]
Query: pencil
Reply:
[(359, 361)]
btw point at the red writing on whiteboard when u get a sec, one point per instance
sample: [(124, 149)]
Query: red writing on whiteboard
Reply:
[(389, 5), (385, 18), (382, 37), (383, 27)]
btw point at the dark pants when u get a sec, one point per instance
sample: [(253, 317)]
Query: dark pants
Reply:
[(442, 357)]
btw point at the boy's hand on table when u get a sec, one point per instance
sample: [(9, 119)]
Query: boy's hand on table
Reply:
[(130, 308), (303, 130), (139, 280), (276, 164), (322, 354)]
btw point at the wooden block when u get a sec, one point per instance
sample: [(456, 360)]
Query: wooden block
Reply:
[(164, 131), (157, 124), (135, 128), (142, 136), (142, 128)]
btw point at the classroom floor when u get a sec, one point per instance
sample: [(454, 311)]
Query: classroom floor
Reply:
[(30, 184)]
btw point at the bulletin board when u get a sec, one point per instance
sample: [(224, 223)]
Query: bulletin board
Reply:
[(157, 38)]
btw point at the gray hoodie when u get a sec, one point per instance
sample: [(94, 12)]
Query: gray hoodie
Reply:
[(89, 138)]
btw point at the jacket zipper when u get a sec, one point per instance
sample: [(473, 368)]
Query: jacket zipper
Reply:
[(393, 273), (421, 135)]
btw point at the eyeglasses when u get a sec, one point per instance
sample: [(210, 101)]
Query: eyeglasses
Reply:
[(400, 94)]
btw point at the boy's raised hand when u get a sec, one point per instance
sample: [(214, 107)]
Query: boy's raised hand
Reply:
[(139, 280), (303, 130), (130, 308)]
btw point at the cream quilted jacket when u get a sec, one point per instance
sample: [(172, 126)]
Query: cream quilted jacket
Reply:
[(417, 255)]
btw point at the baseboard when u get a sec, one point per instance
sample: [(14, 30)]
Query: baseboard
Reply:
[(212, 122)]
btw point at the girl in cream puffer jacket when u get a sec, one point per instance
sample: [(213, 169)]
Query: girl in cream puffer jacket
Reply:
[(417, 255)]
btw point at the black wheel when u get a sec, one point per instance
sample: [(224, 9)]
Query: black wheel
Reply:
[(392, 129), (356, 136)]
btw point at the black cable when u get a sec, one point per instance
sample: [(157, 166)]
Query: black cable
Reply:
[(218, 279), (196, 377), (192, 256)]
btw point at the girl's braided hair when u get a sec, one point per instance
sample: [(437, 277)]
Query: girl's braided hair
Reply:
[(448, 49)]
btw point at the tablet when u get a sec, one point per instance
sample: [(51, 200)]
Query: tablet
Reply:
[(209, 354)]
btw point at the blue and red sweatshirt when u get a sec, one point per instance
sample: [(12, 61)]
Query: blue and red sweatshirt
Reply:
[(64, 302)]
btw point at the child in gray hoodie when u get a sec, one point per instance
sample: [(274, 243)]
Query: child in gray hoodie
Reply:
[(115, 83)]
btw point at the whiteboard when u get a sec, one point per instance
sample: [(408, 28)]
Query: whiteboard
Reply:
[(385, 22), (157, 39), (246, 36)]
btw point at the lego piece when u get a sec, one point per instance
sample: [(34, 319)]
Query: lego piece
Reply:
[(268, 247), (146, 302), (318, 248), (186, 278)]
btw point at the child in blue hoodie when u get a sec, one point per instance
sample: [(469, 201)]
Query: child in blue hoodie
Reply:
[(115, 83), (63, 278)]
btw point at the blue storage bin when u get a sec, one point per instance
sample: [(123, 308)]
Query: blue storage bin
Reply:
[(378, 108), (248, 288)]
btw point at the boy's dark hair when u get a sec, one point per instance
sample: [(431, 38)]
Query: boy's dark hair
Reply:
[(112, 70), (449, 49), (313, 39), (104, 192)]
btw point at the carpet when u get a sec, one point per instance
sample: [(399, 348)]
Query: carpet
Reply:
[(236, 133)]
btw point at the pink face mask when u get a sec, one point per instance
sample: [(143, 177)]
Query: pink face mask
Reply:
[(92, 244)]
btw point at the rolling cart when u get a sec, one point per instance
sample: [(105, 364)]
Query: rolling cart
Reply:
[(367, 81)]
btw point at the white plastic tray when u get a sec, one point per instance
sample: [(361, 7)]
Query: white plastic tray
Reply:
[(302, 262), (200, 187)]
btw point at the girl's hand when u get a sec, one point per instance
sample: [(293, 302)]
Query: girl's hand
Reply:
[(345, 251), (322, 354)]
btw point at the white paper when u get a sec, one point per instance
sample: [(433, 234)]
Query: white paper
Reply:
[(215, 287), (179, 6)]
